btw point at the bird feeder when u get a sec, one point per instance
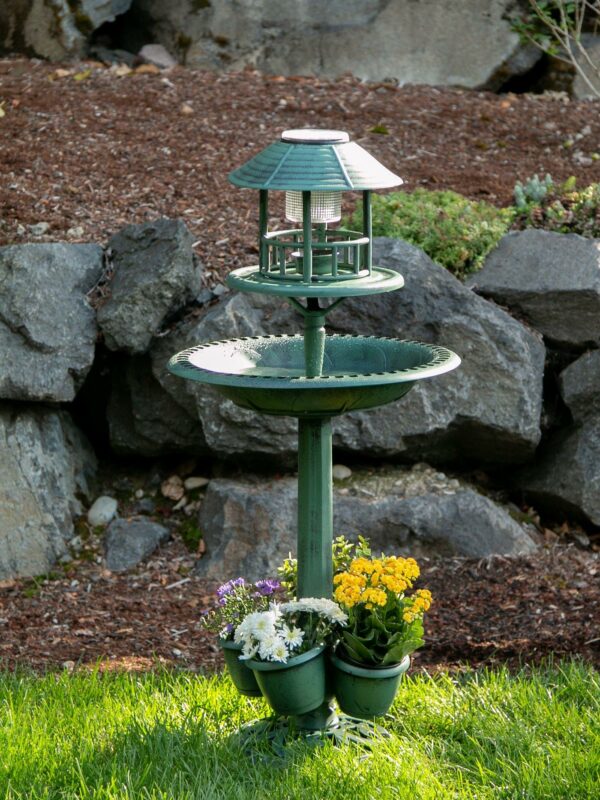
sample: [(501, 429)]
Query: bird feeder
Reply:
[(313, 376)]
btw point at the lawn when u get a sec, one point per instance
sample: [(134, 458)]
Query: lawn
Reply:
[(475, 735)]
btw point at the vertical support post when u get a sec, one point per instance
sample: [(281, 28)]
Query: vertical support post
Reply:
[(306, 238), (314, 338), (368, 227), (263, 227), (315, 504)]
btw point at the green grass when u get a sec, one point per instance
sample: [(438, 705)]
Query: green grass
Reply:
[(170, 735)]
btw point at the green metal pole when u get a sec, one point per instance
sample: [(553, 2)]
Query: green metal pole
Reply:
[(314, 338), (315, 514), (368, 227), (263, 226), (315, 535)]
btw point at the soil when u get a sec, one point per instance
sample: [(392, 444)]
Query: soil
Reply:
[(485, 613), (88, 149), (85, 147)]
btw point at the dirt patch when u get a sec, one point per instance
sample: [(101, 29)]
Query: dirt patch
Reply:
[(513, 611)]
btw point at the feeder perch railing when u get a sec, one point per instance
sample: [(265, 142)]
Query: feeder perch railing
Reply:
[(336, 255)]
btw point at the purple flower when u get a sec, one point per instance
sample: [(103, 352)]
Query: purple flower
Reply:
[(267, 586), (229, 587), (228, 628)]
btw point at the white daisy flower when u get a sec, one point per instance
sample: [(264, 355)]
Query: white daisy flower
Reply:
[(264, 625), (279, 652), (292, 636), (248, 651), (268, 645)]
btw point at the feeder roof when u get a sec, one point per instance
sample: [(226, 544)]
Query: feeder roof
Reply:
[(314, 160)]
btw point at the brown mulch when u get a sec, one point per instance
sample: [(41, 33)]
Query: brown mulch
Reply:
[(486, 613), (81, 146)]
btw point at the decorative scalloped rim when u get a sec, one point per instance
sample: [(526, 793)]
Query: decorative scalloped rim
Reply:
[(443, 360)]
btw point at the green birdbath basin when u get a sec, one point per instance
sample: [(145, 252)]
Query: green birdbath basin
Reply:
[(268, 374)]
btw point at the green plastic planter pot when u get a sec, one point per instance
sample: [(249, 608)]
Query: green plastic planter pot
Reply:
[(296, 687), (241, 675), (366, 692)]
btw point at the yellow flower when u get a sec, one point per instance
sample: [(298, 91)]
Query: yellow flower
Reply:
[(374, 596), (362, 566)]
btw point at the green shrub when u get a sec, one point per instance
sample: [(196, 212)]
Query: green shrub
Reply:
[(564, 209), (454, 231)]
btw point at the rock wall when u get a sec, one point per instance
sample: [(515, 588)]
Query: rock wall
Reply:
[(141, 299), (54, 29), (444, 42)]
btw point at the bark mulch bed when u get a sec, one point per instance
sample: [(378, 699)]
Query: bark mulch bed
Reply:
[(87, 150), (83, 146), (486, 613)]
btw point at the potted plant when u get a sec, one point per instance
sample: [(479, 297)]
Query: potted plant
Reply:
[(285, 649), (384, 626), (235, 600)]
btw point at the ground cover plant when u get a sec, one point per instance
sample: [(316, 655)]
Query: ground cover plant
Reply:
[(454, 231), (458, 233), (168, 734)]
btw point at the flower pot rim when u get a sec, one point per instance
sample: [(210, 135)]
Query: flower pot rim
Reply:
[(268, 666), (229, 644), (371, 672)]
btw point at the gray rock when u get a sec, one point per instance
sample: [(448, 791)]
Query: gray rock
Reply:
[(129, 541), (229, 431), (489, 409), (102, 510), (156, 273), (47, 327), (158, 55), (581, 88), (550, 279), (45, 464), (39, 229), (580, 385), (54, 29), (195, 482), (443, 42), (144, 419), (566, 476), (249, 526), (340, 472)]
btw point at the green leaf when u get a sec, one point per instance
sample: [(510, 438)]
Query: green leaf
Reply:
[(361, 652)]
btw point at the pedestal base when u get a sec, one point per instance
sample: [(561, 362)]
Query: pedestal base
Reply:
[(277, 733)]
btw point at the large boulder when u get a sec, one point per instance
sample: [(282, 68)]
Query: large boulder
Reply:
[(449, 42), (155, 274), (229, 431), (552, 280), (487, 410), (580, 385), (143, 419), (45, 465), (565, 479), (249, 525), (54, 29), (581, 88), (47, 327)]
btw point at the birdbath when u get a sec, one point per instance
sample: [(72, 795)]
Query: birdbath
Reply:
[(313, 376)]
